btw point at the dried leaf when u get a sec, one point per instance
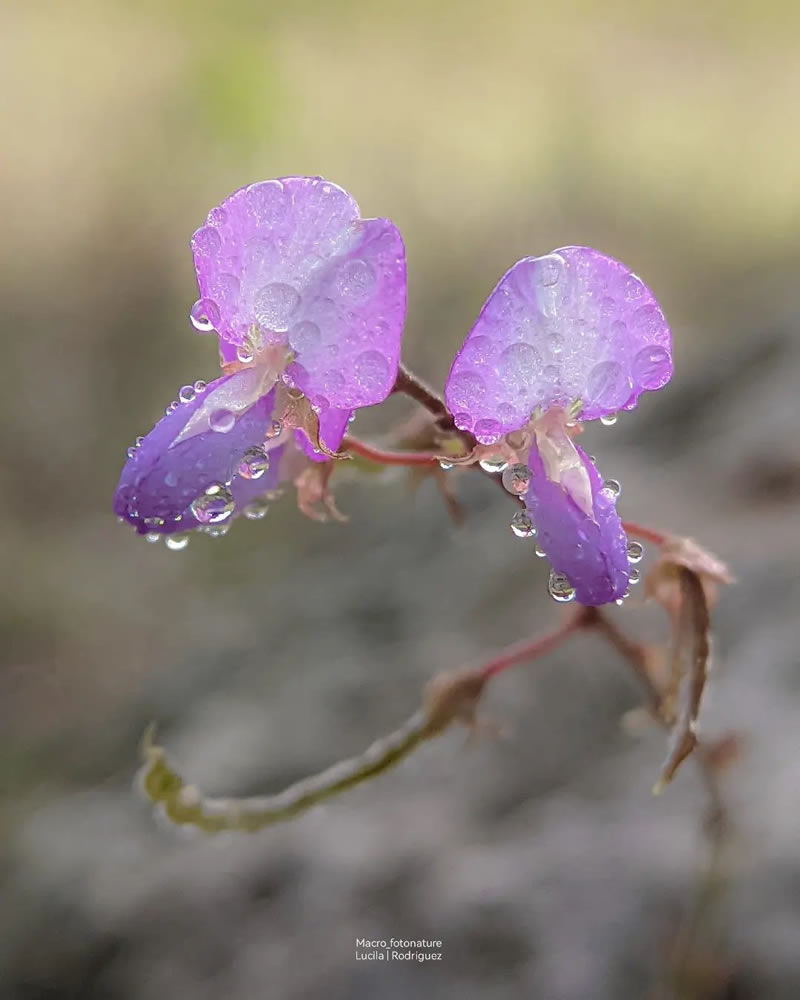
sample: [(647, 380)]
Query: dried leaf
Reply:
[(693, 635)]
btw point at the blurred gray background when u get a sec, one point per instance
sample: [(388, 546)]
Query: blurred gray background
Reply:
[(665, 135)]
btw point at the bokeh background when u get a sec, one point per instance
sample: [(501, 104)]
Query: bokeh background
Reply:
[(664, 134)]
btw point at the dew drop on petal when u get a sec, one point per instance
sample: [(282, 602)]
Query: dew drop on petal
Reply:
[(522, 525), (200, 386), (131, 451), (204, 315), (221, 421), (274, 305), (651, 366), (187, 393), (244, 354), (635, 552), (608, 420), (445, 466), (559, 588), (487, 431), (256, 509), (254, 463), (176, 542), (214, 505), (217, 531), (152, 537), (612, 488), (634, 576), (539, 552), (273, 430), (517, 479)]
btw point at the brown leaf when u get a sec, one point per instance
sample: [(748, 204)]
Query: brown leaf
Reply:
[(693, 646)]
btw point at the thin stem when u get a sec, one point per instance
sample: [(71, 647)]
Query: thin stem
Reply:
[(408, 384), (521, 652), (375, 454), (647, 534)]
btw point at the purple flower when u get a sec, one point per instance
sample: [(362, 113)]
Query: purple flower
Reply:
[(570, 336), (308, 300)]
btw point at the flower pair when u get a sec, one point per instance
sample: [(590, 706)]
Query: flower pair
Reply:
[(309, 300)]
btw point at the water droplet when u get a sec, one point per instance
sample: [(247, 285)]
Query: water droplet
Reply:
[(634, 576), (152, 536), (356, 280), (612, 487), (371, 371), (173, 406), (464, 390), (608, 385), (206, 242), (635, 552), (244, 354), (445, 466), (256, 509), (200, 386), (522, 525), (131, 451), (626, 593), (171, 478), (176, 542), (254, 463), (274, 305), (221, 421), (494, 464), (214, 505), (520, 363), (652, 366), (487, 431), (273, 430), (186, 393), (304, 336), (217, 531), (560, 588), (608, 420), (517, 479), (620, 601), (204, 315), (539, 552)]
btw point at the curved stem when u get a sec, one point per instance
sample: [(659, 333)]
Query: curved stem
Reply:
[(647, 534), (375, 454), (520, 652)]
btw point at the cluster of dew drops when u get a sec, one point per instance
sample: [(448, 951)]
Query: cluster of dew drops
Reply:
[(214, 507), (516, 480)]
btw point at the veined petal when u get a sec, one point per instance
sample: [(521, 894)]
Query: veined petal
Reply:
[(290, 262), (170, 468), (572, 325), (590, 550)]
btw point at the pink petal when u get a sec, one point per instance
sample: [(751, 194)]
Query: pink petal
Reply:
[(572, 325)]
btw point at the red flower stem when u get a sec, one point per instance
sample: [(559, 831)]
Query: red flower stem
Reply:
[(375, 454), (648, 534), (522, 652)]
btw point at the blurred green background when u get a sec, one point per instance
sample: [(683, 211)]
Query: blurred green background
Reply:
[(665, 135)]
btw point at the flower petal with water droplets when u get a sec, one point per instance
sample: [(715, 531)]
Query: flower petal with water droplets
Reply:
[(571, 325), (162, 478), (589, 551), (290, 262)]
